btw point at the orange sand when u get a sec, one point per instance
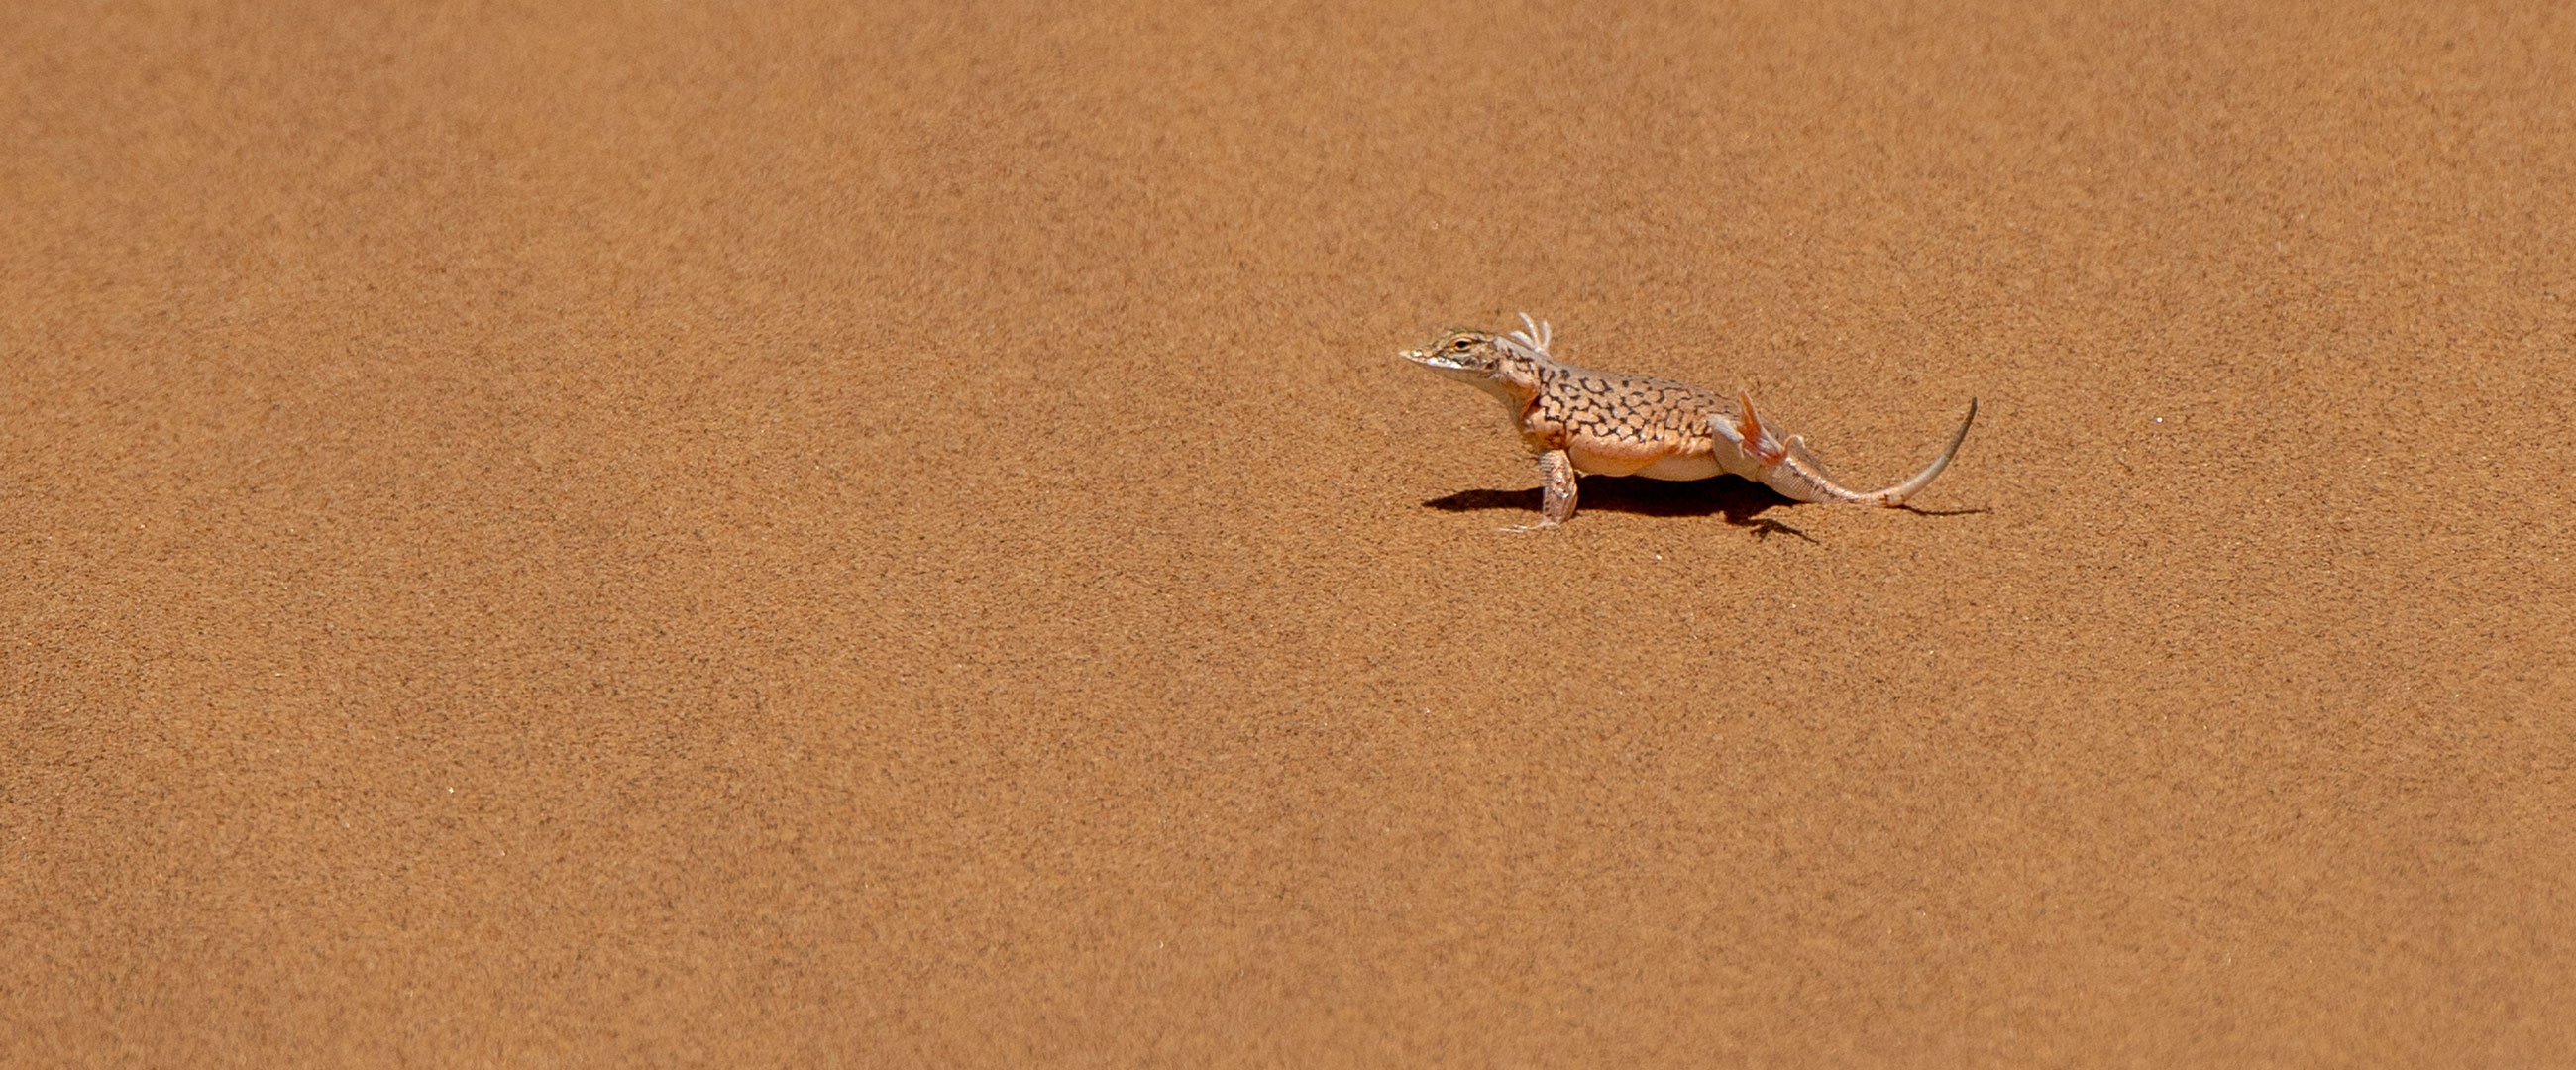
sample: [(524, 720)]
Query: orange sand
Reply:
[(643, 534)]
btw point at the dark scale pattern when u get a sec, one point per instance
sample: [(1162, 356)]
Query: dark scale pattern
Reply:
[(1581, 403)]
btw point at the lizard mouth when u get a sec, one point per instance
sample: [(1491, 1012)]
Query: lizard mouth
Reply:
[(1434, 360)]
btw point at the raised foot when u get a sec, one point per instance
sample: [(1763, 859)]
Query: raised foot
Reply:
[(1748, 425)]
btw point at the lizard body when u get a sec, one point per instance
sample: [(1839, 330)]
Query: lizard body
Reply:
[(1579, 420)]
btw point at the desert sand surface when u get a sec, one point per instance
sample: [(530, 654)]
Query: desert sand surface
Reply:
[(627, 534)]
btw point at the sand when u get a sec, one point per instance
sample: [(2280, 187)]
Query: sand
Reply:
[(653, 534)]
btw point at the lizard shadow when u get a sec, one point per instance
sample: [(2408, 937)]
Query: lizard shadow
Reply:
[(1737, 501)]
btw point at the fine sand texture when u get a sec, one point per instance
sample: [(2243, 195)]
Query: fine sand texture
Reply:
[(895, 534)]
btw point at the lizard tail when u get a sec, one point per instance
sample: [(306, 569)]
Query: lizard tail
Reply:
[(1787, 467)]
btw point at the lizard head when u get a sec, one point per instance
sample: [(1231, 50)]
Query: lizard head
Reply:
[(1461, 354), (1499, 364)]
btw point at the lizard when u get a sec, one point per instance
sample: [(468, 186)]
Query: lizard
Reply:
[(1579, 420)]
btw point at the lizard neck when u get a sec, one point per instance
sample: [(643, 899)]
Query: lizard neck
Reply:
[(1520, 383), (1525, 397)]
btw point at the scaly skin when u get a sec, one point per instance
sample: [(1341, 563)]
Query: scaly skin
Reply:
[(1580, 420)]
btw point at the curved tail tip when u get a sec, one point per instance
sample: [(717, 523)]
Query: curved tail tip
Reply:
[(1896, 496)]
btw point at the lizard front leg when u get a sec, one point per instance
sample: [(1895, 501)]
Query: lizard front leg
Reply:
[(1556, 492)]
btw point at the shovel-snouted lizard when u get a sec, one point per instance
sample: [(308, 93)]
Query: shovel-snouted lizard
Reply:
[(1580, 420)]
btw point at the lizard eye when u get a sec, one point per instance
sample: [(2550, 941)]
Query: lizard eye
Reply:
[(1462, 345)]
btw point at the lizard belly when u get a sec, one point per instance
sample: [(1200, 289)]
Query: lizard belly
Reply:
[(1620, 458), (1683, 466)]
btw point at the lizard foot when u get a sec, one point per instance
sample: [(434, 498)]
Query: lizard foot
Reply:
[(1757, 442)]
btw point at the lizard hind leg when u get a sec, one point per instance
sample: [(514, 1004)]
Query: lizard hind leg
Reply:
[(1758, 443)]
